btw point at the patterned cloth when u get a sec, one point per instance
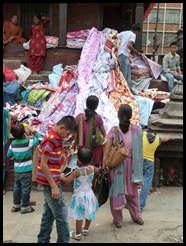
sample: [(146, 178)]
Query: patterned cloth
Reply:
[(37, 46), (83, 203)]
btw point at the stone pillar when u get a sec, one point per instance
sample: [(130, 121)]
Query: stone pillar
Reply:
[(139, 19), (62, 23)]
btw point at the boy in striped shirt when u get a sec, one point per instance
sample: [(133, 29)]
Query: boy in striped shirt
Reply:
[(20, 151), (50, 160)]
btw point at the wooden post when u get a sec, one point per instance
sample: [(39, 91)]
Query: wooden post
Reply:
[(62, 23), (139, 19)]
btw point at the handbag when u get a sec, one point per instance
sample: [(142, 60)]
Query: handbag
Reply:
[(118, 152), (101, 186), (97, 138)]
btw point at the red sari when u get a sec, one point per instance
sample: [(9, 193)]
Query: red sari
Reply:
[(37, 46), (13, 30)]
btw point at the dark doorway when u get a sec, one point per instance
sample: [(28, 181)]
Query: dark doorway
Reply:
[(28, 10), (112, 17)]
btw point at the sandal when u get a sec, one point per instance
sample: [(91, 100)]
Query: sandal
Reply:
[(139, 222), (32, 203), (85, 232), (27, 210), (15, 209), (75, 236)]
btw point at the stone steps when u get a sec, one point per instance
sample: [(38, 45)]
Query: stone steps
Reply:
[(12, 63), (42, 76)]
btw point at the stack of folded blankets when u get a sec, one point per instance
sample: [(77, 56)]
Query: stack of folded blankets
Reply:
[(76, 39)]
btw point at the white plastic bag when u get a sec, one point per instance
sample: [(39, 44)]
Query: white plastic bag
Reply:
[(22, 73)]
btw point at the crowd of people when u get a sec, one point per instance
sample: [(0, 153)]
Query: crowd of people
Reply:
[(124, 180)]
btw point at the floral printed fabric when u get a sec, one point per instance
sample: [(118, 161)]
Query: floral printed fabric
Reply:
[(83, 203)]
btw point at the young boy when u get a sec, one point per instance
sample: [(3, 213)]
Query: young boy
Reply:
[(20, 151), (48, 176)]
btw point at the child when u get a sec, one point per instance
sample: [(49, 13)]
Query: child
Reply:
[(83, 203), (21, 152), (50, 160)]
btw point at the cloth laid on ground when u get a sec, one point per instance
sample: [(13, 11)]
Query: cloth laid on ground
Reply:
[(145, 106), (62, 102), (36, 94), (12, 92), (155, 94), (102, 78), (143, 70), (69, 73), (23, 111), (96, 81), (55, 76), (9, 74)]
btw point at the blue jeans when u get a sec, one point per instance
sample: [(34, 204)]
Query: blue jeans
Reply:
[(148, 173), (125, 68), (54, 210), (22, 188), (170, 80)]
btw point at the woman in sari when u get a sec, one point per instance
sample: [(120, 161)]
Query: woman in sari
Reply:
[(37, 45), (12, 32)]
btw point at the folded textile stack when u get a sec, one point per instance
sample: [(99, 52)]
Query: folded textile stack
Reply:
[(77, 39)]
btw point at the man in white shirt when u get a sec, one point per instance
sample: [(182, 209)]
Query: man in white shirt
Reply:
[(127, 40), (171, 66)]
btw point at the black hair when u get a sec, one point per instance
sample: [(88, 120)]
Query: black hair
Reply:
[(18, 131), (38, 15), (85, 155), (14, 15), (69, 122), (124, 115), (173, 43), (91, 104), (136, 27)]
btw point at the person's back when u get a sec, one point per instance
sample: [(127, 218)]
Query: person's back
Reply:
[(150, 145), (124, 38), (83, 183), (20, 150), (89, 121), (83, 203), (151, 141), (127, 40)]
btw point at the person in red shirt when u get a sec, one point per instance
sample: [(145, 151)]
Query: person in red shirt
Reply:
[(50, 160), (37, 44)]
